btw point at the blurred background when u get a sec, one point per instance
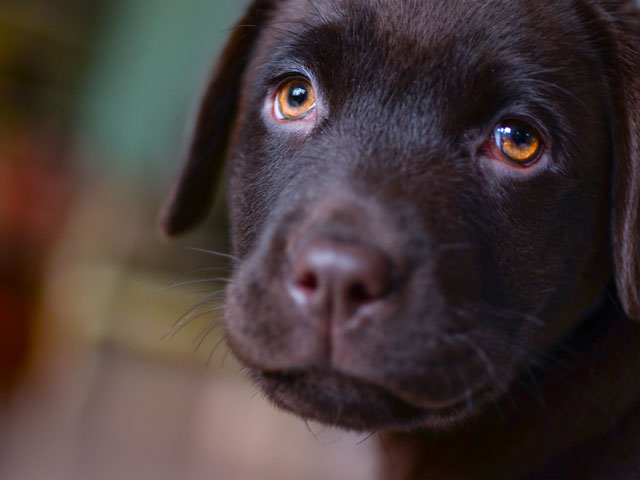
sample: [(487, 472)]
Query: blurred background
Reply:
[(94, 97)]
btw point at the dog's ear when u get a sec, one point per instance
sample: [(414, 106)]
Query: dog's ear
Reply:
[(626, 130), (191, 196)]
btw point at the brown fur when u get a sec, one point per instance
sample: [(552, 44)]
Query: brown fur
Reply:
[(508, 345)]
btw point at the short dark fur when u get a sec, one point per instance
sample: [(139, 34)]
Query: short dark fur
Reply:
[(509, 345)]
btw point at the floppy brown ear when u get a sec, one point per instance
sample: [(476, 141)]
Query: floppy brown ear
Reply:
[(191, 195), (626, 188)]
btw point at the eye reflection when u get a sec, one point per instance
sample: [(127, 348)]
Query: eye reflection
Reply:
[(294, 99), (517, 141)]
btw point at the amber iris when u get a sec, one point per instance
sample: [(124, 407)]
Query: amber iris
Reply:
[(295, 98), (518, 142)]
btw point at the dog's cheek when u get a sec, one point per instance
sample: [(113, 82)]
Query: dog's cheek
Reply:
[(263, 172), (550, 249)]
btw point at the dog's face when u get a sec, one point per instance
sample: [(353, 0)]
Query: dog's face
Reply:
[(420, 197)]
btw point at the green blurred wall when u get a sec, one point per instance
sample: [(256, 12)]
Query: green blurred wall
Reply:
[(150, 65)]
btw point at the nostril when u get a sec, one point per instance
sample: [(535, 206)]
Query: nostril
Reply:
[(307, 281), (360, 293)]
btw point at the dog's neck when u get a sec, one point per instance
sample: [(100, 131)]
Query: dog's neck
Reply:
[(541, 417)]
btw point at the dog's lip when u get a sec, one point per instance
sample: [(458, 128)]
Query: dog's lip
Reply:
[(431, 403), (415, 400)]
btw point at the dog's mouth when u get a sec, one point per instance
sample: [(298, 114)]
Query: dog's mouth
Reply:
[(339, 399)]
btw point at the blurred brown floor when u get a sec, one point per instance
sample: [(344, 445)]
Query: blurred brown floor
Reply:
[(120, 416), (106, 398)]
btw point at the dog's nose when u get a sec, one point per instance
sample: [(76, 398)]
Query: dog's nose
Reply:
[(334, 279)]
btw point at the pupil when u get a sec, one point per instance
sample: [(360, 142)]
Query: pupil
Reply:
[(297, 96), (521, 137)]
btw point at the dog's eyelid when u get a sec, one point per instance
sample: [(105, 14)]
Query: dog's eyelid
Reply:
[(276, 71), (278, 78)]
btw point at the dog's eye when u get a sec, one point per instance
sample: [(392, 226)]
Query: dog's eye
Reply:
[(293, 99), (518, 142)]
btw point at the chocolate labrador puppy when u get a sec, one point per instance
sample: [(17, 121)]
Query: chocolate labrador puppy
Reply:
[(435, 208)]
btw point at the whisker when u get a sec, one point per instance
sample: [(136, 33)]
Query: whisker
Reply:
[(174, 330), (552, 360), (534, 393), (186, 317), (504, 312), (589, 396), (486, 361), (496, 406), (573, 353), (360, 442), (208, 312), (205, 268), (537, 391), (224, 357), (214, 351), (465, 381), (202, 337), (193, 282), (217, 254), (313, 434), (596, 403), (392, 463)]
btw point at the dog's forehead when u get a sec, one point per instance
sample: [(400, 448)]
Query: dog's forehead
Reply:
[(417, 41), (427, 22)]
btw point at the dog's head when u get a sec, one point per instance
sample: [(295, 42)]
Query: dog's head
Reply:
[(423, 195)]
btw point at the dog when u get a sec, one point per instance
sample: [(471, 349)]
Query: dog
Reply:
[(435, 210)]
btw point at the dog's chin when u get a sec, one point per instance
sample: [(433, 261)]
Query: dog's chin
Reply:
[(337, 399)]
